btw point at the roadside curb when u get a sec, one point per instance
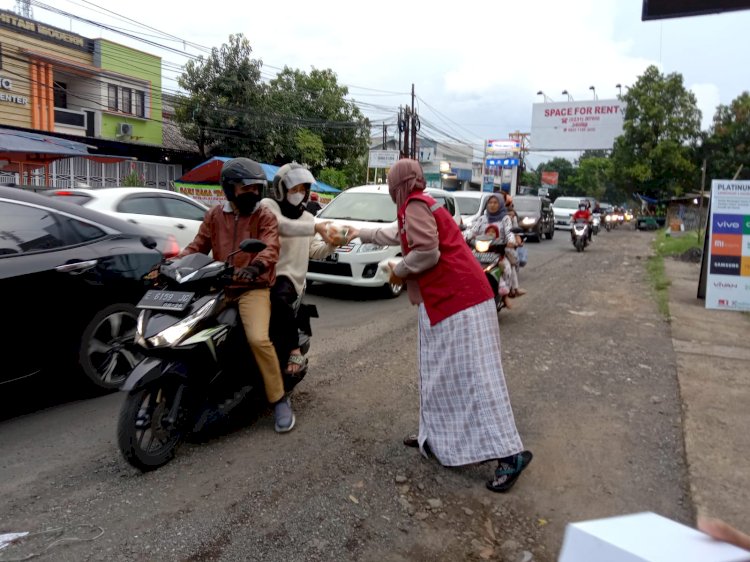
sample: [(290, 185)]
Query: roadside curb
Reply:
[(713, 369)]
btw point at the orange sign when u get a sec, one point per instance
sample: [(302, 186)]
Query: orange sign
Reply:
[(549, 178)]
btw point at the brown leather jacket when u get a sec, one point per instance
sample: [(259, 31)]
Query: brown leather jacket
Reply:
[(222, 231)]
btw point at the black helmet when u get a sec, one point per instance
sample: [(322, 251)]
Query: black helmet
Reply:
[(288, 176), (240, 170)]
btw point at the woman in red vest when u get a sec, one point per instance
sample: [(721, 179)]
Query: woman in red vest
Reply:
[(465, 414)]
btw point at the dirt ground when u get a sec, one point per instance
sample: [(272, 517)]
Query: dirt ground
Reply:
[(591, 372)]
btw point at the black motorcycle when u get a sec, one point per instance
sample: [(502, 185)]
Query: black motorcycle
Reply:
[(489, 252), (198, 366)]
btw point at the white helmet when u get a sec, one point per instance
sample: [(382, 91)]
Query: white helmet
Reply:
[(288, 176)]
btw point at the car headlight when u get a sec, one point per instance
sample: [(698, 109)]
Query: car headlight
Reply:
[(176, 332), (371, 248), (528, 221)]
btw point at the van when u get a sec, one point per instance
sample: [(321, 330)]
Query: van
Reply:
[(535, 216)]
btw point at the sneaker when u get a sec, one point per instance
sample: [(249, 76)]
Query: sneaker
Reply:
[(283, 416)]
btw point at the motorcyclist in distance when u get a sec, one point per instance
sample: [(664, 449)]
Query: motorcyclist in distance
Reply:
[(221, 232), (583, 213)]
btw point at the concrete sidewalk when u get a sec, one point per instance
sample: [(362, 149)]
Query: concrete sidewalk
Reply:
[(713, 364)]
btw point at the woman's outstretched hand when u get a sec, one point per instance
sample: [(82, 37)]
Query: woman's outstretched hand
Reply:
[(721, 531)]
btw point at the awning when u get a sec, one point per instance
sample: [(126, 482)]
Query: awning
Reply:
[(22, 150), (210, 173)]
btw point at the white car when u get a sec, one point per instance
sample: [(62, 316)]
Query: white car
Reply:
[(365, 265), (564, 208), (165, 212), (471, 205)]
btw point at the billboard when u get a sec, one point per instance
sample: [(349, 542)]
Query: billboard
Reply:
[(382, 158), (663, 9), (550, 178), (503, 147), (728, 284), (576, 125)]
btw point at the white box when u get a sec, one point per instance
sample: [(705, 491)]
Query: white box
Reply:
[(643, 537)]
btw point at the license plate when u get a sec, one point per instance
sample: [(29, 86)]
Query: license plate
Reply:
[(166, 300), (333, 258)]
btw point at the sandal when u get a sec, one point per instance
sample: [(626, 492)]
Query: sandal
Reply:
[(295, 359), (411, 441), (508, 472)]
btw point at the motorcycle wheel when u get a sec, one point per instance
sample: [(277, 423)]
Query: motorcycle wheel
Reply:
[(579, 244), (146, 436)]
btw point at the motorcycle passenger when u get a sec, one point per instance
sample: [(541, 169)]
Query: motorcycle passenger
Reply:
[(582, 214), (495, 212), (223, 228), (297, 228)]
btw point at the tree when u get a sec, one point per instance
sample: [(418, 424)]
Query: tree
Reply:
[(564, 169), (315, 102), (310, 147), (726, 146), (592, 176), (336, 178), (223, 109), (654, 155), (530, 178)]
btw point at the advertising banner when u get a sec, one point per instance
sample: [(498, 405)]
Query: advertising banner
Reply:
[(503, 147), (209, 195), (728, 283), (573, 125), (382, 158), (550, 178)]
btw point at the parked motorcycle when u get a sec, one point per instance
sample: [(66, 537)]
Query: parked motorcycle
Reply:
[(198, 366), (580, 234)]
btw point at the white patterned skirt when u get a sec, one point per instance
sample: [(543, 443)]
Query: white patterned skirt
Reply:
[(465, 413)]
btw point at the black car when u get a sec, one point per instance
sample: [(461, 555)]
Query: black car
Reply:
[(69, 279), (535, 216)]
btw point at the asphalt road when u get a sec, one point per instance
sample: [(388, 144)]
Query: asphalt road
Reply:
[(591, 373)]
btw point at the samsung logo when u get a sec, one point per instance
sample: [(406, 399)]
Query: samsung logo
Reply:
[(727, 264)]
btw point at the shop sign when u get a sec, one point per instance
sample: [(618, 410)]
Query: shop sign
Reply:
[(13, 21), (6, 84)]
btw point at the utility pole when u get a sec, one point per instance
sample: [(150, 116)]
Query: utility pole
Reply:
[(523, 139), (413, 152), (385, 136)]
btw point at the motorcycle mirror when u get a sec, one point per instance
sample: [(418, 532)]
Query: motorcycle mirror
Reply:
[(149, 242), (252, 246)]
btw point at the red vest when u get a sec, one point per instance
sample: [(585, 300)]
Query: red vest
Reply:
[(457, 281)]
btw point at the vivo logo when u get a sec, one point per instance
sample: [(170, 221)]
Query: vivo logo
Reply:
[(722, 285), (727, 224)]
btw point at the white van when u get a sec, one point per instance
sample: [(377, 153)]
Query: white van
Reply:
[(564, 207)]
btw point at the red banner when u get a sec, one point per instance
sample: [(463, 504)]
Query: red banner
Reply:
[(549, 178)]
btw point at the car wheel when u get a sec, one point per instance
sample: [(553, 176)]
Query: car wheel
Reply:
[(107, 352), (538, 233), (391, 291)]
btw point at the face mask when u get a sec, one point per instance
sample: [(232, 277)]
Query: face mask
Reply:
[(246, 202), (295, 198)]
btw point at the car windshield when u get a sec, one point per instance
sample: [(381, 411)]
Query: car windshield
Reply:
[(468, 205), (567, 203), (526, 204), (370, 207)]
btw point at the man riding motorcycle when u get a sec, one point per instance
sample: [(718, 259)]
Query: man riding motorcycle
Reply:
[(223, 227), (583, 213)]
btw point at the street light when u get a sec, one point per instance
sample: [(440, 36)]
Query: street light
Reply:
[(565, 93), (619, 89), (593, 90), (547, 99)]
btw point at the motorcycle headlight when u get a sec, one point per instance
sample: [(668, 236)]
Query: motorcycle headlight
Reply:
[(528, 221), (176, 332), (608, 218), (371, 248), (481, 245)]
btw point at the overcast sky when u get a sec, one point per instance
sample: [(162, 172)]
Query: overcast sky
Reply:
[(476, 66)]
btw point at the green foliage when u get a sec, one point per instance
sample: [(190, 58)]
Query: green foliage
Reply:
[(655, 154), (223, 111), (333, 177), (133, 179), (592, 176), (677, 245), (726, 146), (530, 178), (310, 146), (317, 103)]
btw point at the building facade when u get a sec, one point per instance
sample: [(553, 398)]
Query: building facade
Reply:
[(60, 83)]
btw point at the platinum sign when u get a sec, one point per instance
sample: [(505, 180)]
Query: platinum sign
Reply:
[(584, 125)]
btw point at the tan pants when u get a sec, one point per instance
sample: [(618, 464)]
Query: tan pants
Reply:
[(255, 312)]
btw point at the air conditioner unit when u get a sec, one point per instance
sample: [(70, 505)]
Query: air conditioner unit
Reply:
[(124, 129)]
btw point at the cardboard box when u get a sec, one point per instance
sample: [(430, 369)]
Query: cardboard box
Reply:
[(643, 537)]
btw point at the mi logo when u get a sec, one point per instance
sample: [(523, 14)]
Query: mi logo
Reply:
[(719, 243)]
